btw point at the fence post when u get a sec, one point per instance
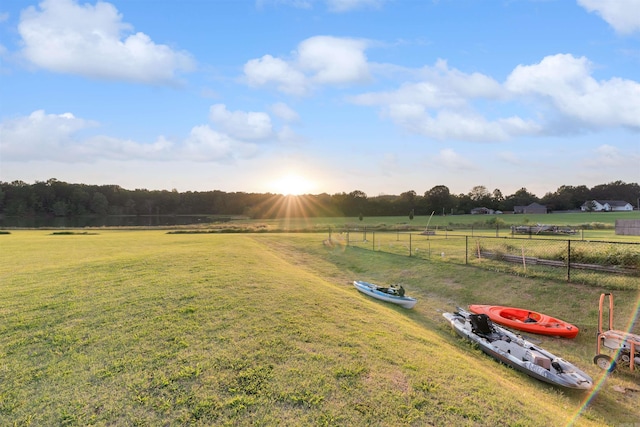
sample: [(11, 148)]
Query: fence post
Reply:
[(466, 250), (373, 238), (569, 260), (410, 250)]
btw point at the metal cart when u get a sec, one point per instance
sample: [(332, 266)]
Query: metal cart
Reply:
[(624, 346)]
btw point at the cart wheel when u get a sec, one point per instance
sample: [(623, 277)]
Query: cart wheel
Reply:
[(605, 362), (624, 358)]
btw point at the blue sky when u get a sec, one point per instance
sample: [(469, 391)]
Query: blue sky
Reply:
[(324, 96)]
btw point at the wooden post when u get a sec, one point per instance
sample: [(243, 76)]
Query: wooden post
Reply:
[(466, 250), (569, 260)]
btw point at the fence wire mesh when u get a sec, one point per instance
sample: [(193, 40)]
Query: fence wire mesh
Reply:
[(611, 265)]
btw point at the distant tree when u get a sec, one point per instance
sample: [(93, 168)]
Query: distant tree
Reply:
[(356, 201), (616, 190), (520, 198), (481, 196), (60, 208), (18, 198), (497, 199), (464, 204), (438, 199), (479, 193), (407, 201), (566, 197), (130, 207), (99, 204)]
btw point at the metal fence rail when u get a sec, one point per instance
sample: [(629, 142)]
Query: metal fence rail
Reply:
[(612, 265)]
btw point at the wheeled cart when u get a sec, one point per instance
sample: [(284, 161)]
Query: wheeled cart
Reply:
[(624, 346)]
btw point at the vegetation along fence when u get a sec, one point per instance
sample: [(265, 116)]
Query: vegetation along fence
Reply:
[(612, 265)]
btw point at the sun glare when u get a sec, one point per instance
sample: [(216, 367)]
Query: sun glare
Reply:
[(292, 185)]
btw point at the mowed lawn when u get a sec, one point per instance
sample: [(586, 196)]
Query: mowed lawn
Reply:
[(150, 328)]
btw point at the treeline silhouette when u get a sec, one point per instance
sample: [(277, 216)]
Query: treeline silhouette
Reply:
[(58, 198)]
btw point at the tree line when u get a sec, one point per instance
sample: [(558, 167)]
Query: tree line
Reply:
[(58, 198)]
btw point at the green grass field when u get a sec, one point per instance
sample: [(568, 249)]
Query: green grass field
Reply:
[(149, 328), (439, 221)]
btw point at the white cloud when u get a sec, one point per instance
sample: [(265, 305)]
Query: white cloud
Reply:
[(556, 96), (509, 157), (287, 135), (622, 15), (60, 138), (440, 86), (266, 70), (468, 126), (426, 94), (337, 6), (334, 60), (450, 159), (566, 82), (66, 37), (41, 136), (205, 144), (318, 60), (607, 160), (284, 112), (608, 155), (240, 124), (348, 5), (440, 106)]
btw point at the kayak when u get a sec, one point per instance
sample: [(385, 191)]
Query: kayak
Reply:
[(527, 320), (391, 294), (513, 350)]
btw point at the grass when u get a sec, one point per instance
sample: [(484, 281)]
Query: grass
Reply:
[(592, 220), (457, 248), (588, 226), (149, 328)]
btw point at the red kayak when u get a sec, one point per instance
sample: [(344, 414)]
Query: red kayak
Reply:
[(527, 320)]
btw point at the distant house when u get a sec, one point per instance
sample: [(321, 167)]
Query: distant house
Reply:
[(533, 208), (481, 211), (606, 206)]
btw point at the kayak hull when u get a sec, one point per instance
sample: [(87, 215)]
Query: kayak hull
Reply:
[(526, 320), (373, 291), (522, 355)]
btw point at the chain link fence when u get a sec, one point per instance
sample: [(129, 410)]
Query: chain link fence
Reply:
[(611, 265)]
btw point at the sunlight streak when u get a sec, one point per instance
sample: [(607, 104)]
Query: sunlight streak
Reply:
[(599, 382)]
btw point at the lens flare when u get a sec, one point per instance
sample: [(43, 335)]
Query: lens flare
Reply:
[(599, 382)]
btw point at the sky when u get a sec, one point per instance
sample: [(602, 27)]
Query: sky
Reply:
[(321, 96)]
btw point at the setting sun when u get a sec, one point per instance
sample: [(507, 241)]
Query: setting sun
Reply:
[(292, 185)]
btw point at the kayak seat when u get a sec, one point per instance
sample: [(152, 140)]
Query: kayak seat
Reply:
[(480, 324)]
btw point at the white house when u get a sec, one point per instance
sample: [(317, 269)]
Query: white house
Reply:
[(606, 206)]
